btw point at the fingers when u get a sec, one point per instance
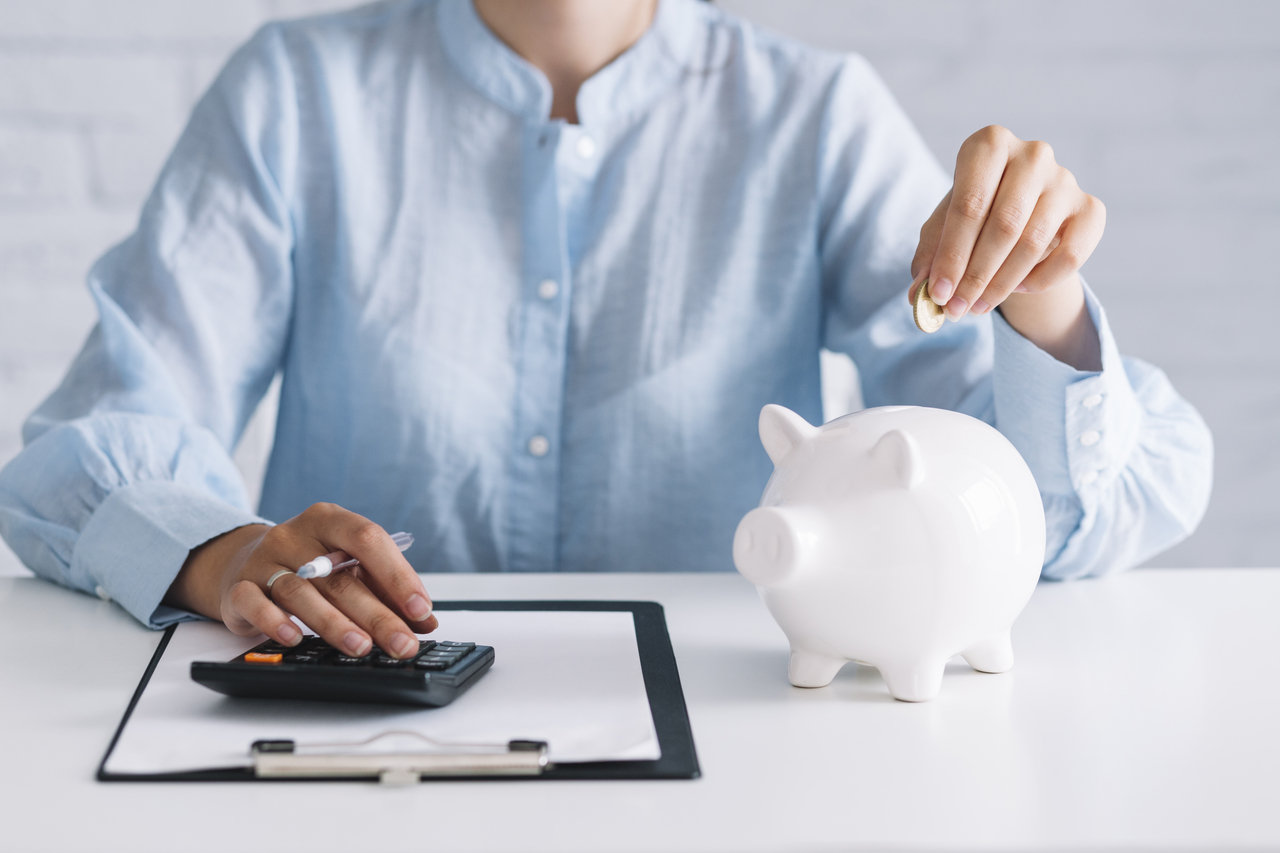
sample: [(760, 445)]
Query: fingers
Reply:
[(419, 626), (304, 600), (347, 613), (979, 169), (251, 612), (1021, 190), (1031, 246), (999, 229), (339, 608), (346, 593), (1079, 238), (342, 530)]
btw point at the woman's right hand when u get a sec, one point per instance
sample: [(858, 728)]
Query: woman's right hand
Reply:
[(381, 601)]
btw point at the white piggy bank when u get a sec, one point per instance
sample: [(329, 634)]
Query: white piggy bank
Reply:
[(895, 537)]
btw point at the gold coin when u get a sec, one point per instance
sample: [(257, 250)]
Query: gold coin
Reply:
[(928, 314)]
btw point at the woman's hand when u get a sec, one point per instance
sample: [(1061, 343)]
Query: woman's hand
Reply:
[(381, 601), (1013, 232)]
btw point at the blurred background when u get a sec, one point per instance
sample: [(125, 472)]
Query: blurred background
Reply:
[(1167, 111)]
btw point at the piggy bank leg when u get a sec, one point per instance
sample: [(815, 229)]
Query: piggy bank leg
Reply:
[(994, 654), (918, 681), (810, 669)]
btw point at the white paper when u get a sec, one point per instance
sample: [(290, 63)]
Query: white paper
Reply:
[(570, 678)]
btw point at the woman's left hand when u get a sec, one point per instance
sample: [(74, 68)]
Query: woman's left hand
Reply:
[(1014, 221)]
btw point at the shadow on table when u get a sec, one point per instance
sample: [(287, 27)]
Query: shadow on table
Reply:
[(719, 674)]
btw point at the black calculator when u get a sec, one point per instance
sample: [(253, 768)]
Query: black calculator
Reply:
[(315, 670)]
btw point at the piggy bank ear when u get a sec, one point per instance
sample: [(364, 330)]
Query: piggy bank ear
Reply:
[(781, 430), (900, 451)]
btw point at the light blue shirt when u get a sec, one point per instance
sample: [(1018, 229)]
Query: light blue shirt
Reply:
[(539, 346)]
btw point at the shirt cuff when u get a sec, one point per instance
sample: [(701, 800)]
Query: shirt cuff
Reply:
[(1074, 427), (139, 537)]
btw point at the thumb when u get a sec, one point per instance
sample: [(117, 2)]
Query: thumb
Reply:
[(930, 236)]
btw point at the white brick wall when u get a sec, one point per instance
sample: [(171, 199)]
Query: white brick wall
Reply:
[(1168, 111), (93, 94)]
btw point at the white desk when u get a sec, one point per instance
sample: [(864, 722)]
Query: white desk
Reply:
[(1143, 713)]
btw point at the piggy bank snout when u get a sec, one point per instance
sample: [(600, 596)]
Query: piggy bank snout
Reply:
[(771, 543)]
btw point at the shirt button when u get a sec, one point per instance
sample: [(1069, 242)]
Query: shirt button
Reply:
[(539, 446), (547, 289), (586, 147), (1092, 401), (1089, 478), (1090, 438), (101, 593)]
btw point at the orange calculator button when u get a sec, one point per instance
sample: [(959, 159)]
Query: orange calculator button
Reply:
[(259, 657)]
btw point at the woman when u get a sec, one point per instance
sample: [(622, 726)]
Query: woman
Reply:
[(530, 270)]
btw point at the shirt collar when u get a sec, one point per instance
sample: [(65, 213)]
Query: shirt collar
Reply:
[(626, 85)]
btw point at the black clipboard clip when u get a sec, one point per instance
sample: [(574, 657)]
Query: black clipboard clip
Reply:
[(286, 759)]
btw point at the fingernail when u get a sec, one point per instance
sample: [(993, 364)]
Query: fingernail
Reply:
[(941, 290), (356, 643), (417, 607), (955, 308), (288, 634), (404, 645), (1022, 288), (981, 307)]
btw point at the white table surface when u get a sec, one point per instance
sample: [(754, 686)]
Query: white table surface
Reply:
[(1143, 713)]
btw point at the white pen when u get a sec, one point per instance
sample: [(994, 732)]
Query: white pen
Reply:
[(322, 567)]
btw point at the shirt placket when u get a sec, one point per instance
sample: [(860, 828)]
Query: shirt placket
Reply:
[(557, 160)]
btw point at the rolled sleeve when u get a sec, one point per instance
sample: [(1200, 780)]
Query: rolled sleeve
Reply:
[(1123, 463), (138, 539), (127, 465)]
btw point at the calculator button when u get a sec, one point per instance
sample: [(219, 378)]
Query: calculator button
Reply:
[(305, 657), (461, 647), (261, 657), (348, 660), (426, 645), (387, 660), (430, 665)]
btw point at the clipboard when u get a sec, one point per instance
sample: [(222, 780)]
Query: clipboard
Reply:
[(518, 760)]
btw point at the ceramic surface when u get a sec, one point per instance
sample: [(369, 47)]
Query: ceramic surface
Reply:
[(896, 537)]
